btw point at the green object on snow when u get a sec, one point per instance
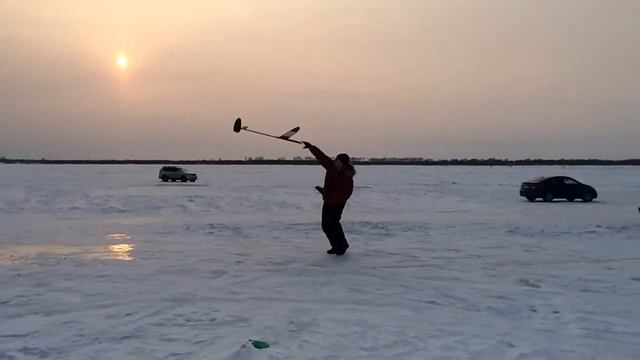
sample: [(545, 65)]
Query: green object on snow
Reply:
[(258, 344)]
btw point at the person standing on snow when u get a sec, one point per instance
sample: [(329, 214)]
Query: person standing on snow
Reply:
[(338, 187)]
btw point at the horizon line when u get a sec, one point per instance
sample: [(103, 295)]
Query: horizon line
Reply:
[(297, 160)]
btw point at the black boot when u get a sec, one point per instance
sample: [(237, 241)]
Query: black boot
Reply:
[(341, 252), (331, 251)]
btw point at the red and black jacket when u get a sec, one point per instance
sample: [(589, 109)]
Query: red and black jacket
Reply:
[(338, 184)]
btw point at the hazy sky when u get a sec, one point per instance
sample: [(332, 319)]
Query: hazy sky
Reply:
[(430, 78)]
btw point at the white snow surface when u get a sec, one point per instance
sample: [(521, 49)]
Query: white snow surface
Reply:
[(107, 262)]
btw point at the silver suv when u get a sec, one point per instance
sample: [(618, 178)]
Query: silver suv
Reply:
[(175, 173)]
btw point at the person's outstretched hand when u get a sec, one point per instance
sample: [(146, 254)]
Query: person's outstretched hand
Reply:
[(307, 144)]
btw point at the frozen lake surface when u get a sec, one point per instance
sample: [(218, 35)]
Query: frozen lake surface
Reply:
[(106, 262)]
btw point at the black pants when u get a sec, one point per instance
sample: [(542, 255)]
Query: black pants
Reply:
[(331, 215)]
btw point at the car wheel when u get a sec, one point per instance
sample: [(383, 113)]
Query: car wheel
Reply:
[(548, 197), (183, 179), (173, 180), (587, 197), (193, 181), (164, 179), (570, 199), (531, 198)]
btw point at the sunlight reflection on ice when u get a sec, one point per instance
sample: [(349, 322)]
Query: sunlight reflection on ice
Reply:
[(117, 236), (119, 249), (122, 251)]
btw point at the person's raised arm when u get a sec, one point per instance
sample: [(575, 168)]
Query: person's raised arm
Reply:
[(324, 160)]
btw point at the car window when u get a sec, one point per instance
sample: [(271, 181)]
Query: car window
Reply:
[(570, 182), (554, 181)]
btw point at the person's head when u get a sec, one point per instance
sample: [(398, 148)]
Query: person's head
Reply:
[(343, 161)]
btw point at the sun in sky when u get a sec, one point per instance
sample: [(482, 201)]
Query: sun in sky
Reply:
[(122, 61)]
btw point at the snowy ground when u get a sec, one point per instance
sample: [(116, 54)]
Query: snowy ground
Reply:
[(106, 262)]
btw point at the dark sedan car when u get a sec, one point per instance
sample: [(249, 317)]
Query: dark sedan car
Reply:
[(557, 187)]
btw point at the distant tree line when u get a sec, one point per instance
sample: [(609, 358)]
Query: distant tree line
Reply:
[(308, 161)]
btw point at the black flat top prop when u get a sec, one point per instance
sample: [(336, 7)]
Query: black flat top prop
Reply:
[(237, 125)]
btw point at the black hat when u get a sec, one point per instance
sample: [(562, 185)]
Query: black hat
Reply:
[(344, 158)]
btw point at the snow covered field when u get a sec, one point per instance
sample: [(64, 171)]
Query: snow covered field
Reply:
[(106, 262)]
